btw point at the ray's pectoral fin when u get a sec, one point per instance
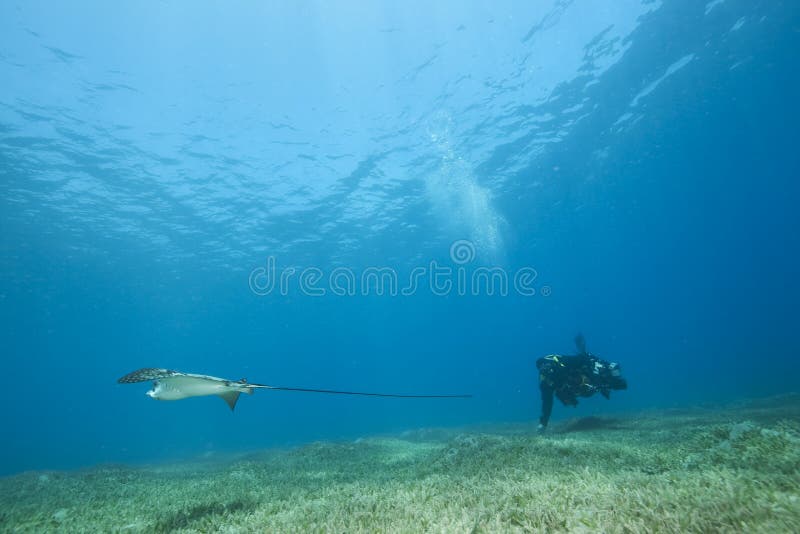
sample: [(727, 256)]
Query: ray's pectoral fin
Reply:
[(146, 374), (231, 398)]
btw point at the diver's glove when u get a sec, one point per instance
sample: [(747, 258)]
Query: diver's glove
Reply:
[(541, 428)]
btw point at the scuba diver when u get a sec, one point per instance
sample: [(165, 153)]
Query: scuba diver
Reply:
[(570, 377)]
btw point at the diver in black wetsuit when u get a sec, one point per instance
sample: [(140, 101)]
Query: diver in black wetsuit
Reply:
[(570, 377)]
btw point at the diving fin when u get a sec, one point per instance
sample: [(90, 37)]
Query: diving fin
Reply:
[(580, 343)]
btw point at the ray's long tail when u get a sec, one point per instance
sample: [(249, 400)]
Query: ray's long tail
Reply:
[(361, 393)]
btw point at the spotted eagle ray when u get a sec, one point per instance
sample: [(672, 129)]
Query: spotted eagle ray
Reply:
[(174, 385)]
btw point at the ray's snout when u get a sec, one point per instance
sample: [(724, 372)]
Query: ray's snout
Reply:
[(153, 393)]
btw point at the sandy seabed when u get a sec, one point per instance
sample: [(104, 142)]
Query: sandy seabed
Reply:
[(734, 468)]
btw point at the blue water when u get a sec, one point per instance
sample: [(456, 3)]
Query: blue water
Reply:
[(639, 156)]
